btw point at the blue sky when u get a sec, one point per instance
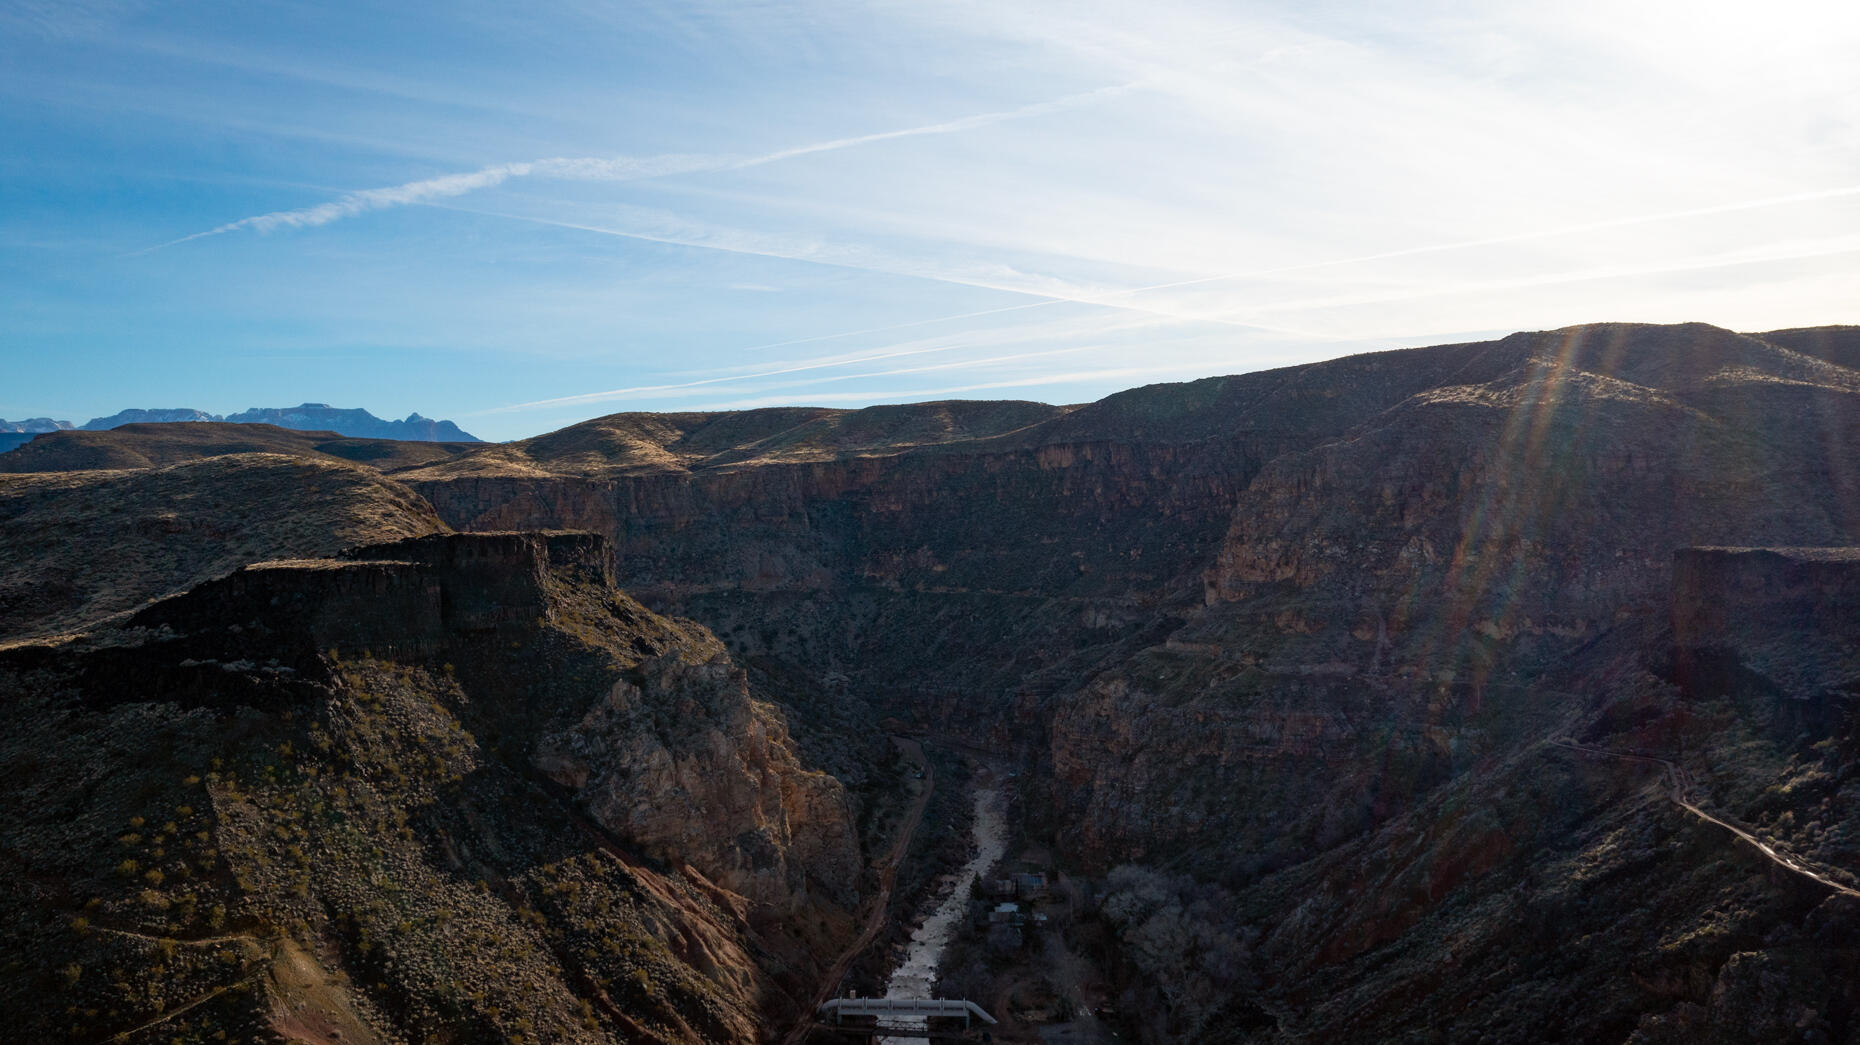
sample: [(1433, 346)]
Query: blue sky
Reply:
[(520, 216)]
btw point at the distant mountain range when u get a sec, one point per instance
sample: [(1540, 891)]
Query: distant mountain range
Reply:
[(308, 417), (34, 425)]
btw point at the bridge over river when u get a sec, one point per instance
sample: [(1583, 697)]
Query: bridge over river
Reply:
[(900, 1017)]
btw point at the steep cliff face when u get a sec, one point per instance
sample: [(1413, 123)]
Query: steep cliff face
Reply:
[(1542, 508), (1777, 630), (919, 582), (1229, 771), (691, 769), (1796, 611), (1353, 733), (456, 784), (1060, 519), (1120, 497)]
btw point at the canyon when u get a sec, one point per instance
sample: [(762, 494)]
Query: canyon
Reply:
[(1336, 686)]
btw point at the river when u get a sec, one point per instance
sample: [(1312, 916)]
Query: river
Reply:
[(915, 977)]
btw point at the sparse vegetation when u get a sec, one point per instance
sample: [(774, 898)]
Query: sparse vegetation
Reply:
[(366, 835)]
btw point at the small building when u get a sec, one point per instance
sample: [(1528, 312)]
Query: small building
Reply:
[(1005, 938), (1031, 885), (1006, 914), (1001, 887)]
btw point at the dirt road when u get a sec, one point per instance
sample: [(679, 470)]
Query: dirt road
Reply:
[(881, 903), (1679, 789)]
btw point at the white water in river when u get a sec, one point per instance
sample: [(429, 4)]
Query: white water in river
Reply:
[(916, 975)]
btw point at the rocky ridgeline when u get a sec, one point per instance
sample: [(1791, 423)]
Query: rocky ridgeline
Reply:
[(675, 756)]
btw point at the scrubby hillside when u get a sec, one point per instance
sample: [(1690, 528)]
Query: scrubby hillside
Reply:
[(76, 547), (453, 788), (79, 546), (634, 444)]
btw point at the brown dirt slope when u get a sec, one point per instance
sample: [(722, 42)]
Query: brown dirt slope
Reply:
[(639, 443), (76, 547), (1840, 344)]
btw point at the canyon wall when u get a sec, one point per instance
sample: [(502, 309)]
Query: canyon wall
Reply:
[(1775, 629), (1355, 662)]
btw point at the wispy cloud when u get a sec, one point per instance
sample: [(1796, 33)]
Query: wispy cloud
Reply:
[(1119, 296), (1763, 255), (739, 376), (1052, 290), (60, 19), (610, 168), (1344, 173), (1053, 379)]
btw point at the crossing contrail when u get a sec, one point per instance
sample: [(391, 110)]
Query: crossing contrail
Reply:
[(613, 168)]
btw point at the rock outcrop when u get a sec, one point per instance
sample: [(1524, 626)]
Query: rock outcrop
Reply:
[(1736, 597), (673, 754), (1775, 629), (652, 861)]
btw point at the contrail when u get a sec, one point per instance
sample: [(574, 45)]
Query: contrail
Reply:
[(947, 127), (351, 204), (595, 168)]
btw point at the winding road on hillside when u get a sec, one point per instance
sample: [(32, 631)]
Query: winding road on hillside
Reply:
[(250, 974), (1679, 783), (881, 904)]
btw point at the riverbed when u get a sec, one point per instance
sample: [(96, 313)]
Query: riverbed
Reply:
[(915, 976)]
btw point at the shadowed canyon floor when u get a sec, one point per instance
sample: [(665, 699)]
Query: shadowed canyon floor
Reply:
[(1338, 696)]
